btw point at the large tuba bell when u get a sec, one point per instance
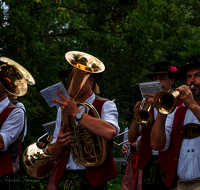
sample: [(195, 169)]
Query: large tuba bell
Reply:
[(143, 116), (12, 81), (14, 78), (165, 102), (86, 148)]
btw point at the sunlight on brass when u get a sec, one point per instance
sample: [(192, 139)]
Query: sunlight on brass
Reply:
[(86, 148), (37, 159), (84, 62), (143, 116), (30, 80), (12, 80), (165, 102)]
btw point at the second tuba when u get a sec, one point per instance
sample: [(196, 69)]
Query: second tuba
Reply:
[(86, 148)]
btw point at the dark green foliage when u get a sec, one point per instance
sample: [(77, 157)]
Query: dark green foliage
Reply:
[(127, 36)]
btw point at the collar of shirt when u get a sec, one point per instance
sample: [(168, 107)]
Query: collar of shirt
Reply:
[(91, 99), (4, 104)]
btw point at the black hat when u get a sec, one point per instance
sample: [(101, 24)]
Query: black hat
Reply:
[(130, 113), (194, 61), (65, 73), (163, 67)]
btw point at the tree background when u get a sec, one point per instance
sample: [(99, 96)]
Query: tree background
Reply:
[(127, 36)]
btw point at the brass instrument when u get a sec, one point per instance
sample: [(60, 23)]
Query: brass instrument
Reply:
[(30, 80), (143, 116), (37, 159), (86, 148), (165, 102), (14, 78), (119, 144), (12, 81)]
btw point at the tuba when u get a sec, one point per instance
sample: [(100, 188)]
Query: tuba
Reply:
[(165, 101), (37, 159), (86, 148), (143, 116), (12, 81), (14, 78)]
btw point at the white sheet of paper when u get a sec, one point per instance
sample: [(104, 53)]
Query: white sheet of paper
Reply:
[(150, 87), (49, 93)]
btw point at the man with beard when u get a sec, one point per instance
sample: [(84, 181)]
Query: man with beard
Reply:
[(179, 134)]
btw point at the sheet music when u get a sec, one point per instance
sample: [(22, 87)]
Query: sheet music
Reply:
[(49, 127), (49, 93), (150, 87)]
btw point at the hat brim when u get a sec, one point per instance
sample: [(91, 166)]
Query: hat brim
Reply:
[(171, 75), (183, 70), (97, 76), (64, 73)]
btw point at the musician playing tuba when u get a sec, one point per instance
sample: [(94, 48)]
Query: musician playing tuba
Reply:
[(12, 125), (73, 175), (148, 158)]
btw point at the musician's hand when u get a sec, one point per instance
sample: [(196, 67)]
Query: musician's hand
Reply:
[(68, 106), (124, 149), (137, 106), (186, 96), (63, 138), (150, 99)]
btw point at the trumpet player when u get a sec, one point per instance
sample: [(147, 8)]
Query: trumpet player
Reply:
[(148, 160), (179, 135), (73, 175)]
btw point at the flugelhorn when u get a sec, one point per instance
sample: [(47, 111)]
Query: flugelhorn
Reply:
[(86, 148), (165, 101), (143, 116)]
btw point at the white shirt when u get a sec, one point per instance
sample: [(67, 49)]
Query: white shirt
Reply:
[(167, 129), (188, 162), (13, 125), (22, 106), (108, 113)]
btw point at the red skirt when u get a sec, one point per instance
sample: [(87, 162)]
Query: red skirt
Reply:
[(130, 178)]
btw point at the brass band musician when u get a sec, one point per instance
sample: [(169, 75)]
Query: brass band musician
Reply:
[(149, 158), (179, 135), (73, 175)]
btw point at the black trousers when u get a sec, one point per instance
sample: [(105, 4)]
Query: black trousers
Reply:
[(7, 182), (153, 176), (76, 180)]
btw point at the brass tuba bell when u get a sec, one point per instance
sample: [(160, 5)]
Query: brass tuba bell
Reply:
[(143, 116), (14, 78), (86, 148)]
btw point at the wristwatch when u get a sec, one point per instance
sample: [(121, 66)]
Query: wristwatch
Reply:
[(79, 115)]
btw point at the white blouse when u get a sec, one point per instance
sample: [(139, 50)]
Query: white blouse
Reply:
[(108, 113)]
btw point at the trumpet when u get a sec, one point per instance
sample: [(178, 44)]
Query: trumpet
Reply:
[(165, 101), (143, 116)]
